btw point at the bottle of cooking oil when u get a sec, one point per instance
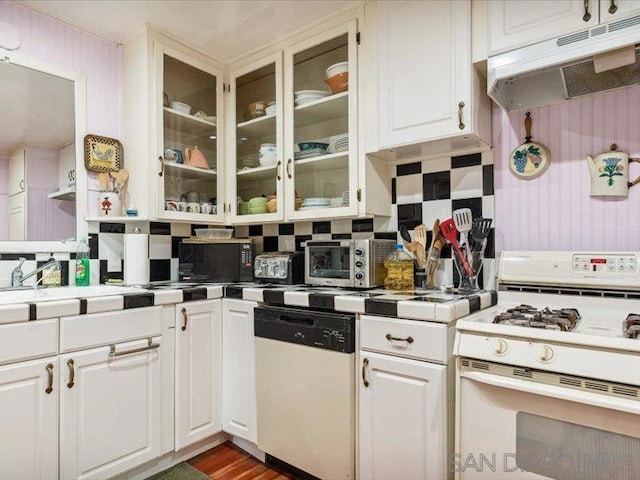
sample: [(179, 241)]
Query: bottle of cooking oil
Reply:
[(399, 265)]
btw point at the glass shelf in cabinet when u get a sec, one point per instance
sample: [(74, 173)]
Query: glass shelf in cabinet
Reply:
[(186, 171), (328, 108), (258, 127), (187, 123), (257, 173), (330, 161)]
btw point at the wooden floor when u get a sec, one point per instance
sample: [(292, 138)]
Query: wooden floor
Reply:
[(228, 462)]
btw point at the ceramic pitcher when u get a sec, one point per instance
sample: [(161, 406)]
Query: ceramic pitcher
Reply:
[(610, 173), (195, 158)]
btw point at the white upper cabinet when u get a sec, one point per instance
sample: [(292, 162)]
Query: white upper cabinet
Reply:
[(517, 23), (300, 153), (255, 141), (173, 112), (428, 89), (188, 96), (611, 10)]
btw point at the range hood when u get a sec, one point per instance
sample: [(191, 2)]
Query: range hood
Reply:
[(601, 58)]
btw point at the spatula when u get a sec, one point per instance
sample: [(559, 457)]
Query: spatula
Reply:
[(448, 229), (463, 219), (103, 180), (480, 229), (420, 235), (433, 256)]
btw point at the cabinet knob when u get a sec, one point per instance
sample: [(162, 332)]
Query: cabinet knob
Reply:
[(612, 8)]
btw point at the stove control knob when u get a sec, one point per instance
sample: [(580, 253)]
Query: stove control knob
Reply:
[(499, 347), (359, 263), (359, 276), (359, 252), (545, 354)]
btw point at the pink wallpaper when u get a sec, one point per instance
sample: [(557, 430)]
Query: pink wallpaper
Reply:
[(55, 42), (555, 211)]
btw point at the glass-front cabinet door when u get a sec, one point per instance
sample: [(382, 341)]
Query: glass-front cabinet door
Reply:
[(255, 142), (321, 129), (189, 106)]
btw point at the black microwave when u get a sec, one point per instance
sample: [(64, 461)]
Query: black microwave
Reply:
[(216, 261)]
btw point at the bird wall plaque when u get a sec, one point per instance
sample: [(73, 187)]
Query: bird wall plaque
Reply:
[(102, 154)]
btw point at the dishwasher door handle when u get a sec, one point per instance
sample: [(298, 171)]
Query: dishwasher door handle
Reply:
[(365, 364)]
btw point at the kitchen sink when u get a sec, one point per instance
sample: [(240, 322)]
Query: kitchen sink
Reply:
[(30, 294)]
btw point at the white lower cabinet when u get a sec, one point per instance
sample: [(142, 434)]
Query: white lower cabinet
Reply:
[(110, 406), (239, 409), (198, 409), (402, 419), (29, 420)]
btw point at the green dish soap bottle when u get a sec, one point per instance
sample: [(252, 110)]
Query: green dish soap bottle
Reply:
[(83, 276)]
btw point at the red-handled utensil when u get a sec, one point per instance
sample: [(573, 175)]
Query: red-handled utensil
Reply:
[(450, 232)]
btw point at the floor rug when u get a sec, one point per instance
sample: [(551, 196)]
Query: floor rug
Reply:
[(181, 471)]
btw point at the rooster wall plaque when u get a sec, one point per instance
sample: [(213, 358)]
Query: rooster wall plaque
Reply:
[(102, 154)]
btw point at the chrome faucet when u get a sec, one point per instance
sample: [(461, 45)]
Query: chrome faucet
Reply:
[(18, 277)]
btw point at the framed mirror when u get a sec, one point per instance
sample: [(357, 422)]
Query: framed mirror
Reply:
[(41, 168)]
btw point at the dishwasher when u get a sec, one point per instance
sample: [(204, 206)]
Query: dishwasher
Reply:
[(305, 370)]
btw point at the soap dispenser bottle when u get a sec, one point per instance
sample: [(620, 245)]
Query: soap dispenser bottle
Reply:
[(83, 276)]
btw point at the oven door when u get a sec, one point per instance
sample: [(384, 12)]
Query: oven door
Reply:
[(515, 423), (329, 263)]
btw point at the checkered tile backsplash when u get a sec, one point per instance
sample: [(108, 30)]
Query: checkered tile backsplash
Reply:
[(422, 191)]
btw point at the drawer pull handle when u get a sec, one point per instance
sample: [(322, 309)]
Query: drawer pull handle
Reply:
[(398, 339), (279, 170), (365, 364), (49, 388), (161, 172), (185, 318), (150, 346), (461, 124), (289, 162), (587, 16), (72, 373), (612, 8)]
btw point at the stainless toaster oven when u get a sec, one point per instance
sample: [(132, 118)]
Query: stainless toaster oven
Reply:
[(346, 263)]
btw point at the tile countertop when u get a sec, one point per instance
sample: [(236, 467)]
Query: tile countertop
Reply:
[(419, 305)]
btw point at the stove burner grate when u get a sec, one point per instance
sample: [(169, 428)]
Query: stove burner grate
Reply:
[(631, 326), (564, 319)]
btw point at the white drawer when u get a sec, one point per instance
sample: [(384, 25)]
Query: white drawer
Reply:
[(22, 341), (405, 338), (85, 331)]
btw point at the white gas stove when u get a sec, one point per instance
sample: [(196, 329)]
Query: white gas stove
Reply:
[(556, 359)]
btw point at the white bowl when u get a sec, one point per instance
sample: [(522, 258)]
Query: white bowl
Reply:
[(336, 68), (311, 93), (271, 110), (267, 160), (181, 107)]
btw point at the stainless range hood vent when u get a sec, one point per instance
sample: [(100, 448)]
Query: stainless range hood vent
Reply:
[(563, 68), (581, 78)]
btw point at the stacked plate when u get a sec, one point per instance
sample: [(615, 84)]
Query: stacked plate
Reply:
[(345, 198), (309, 153), (306, 96), (342, 144), (314, 203)]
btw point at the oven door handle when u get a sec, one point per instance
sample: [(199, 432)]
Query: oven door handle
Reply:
[(580, 396)]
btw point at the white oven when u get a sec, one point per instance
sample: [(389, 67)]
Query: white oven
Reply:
[(548, 379), (519, 423)]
